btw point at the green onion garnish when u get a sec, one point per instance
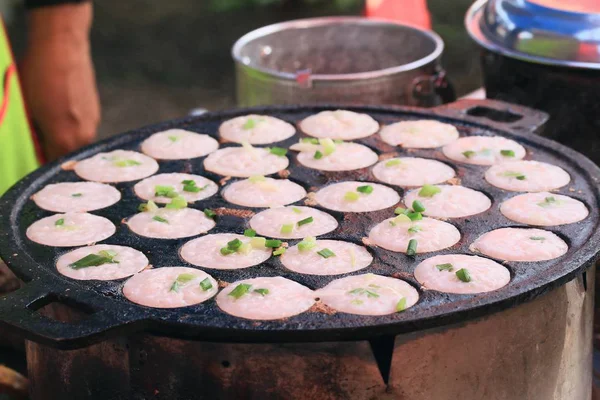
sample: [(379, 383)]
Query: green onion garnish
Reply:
[(279, 251), (165, 191), (249, 233), (326, 253), (414, 229), (328, 146), (401, 305), (257, 178), (411, 250), (234, 244), (307, 243), (206, 284), (194, 189), (76, 195), (548, 201), (305, 221), (185, 278), (310, 140), (126, 163), (393, 162), (150, 206), (318, 155), (361, 291), (400, 210), (463, 275), (59, 222), (537, 238), (287, 228), (367, 189), (278, 151), (351, 196), (160, 219), (417, 206), (468, 153), (250, 123), (445, 267), (296, 210), (429, 191), (507, 153), (174, 287), (400, 219), (210, 213), (245, 248), (177, 203), (357, 302), (513, 174), (258, 242), (262, 292), (240, 290), (93, 260), (414, 216), (173, 138), (225, 251), (273, 243)]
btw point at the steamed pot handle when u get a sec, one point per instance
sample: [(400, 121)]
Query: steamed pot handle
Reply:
[(498, 114), (430, 89), (18, 312)]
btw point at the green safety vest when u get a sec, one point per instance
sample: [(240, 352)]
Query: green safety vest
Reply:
[(17, 148)]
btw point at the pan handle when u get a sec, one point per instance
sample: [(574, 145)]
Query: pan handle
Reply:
[(18, 313), (499, 114)]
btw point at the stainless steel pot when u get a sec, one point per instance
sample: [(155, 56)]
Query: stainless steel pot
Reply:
[(340, 60)]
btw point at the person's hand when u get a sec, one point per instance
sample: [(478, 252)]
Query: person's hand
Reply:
[(58, 78)]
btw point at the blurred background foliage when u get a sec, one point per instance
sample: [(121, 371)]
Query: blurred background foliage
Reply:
[(158, 59)]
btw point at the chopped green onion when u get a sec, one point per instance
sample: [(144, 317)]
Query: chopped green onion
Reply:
[(310, 140), (108, 254), (393, 162), (76, 195), (193, 189), (328, 146), (351, 196), (188, 182), (279, 251), (226, 251), (326, 253), (185, 278), (296, 210), (417, 206), (338, 141), (164, 191), (278, 151), (305, 221), (411, 250), (126, 163), (206, 284), (210, 213), (94, 260), (287, 228), (367, 189), (469, 153), (59, 222), (150, 206), (400, 210), (429, 191), (445, 267), (414, 229), (240, 290), (537, 238), (257, 178), (401, 305), (414, 216), (262, 292), (234, 244), (548, 201), (360, 291), (400, 219), (250, 124), (318, 155), (273, 243), (463, 275), (160, 219), (173, 138), (177, 203), (249, 233), (521, 177), (174, 287), (513, 174), (357, 302), (245, 248), (307, 243), (258, 242), (507, 153)]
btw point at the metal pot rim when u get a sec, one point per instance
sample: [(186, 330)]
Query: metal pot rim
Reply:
[(473, 20), (312, 22)]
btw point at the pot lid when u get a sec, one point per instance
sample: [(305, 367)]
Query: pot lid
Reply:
[(555, 32)]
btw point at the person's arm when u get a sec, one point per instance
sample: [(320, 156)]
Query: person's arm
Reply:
[(57, 75), (411, 12)]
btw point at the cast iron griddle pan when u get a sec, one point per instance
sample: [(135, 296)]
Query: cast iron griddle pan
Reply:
[(110, 314)]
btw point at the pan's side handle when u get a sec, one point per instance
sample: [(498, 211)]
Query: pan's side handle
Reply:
[(18, 312), (516, 118)]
